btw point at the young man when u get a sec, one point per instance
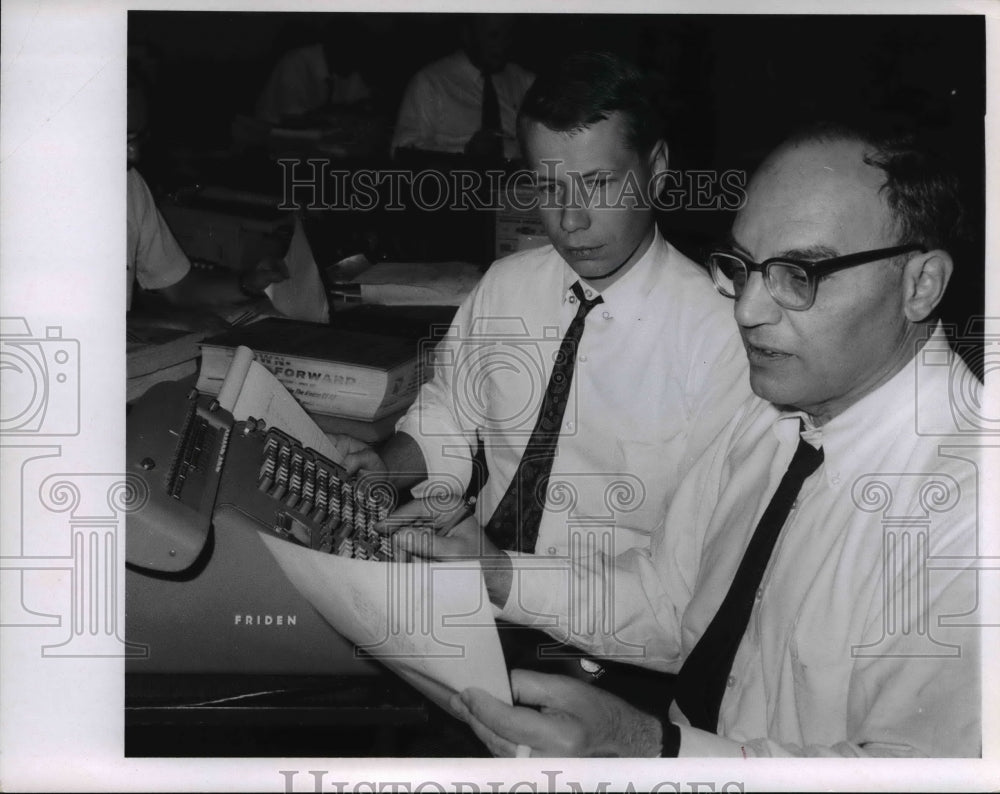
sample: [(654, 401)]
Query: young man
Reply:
[(656, 371), (857, 633)]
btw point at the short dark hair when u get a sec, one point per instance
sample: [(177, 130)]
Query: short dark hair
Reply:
[(921, 188), (586, 88)]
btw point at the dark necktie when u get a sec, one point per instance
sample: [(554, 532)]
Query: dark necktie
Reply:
[(514, 524), (491, 106), (701, 681)]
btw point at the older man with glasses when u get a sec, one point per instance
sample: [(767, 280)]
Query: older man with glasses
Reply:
[(814, 585)]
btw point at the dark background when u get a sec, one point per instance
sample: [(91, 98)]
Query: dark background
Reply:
[(730, 86)]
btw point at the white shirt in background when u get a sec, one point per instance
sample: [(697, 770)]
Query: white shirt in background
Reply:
[(442, 107)]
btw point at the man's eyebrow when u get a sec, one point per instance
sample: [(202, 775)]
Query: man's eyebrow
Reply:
[(806, 254), (810, 253), (594, 172)]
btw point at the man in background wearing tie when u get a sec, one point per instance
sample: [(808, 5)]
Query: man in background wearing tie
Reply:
[(593, 371), (467, 102), (813, 585)]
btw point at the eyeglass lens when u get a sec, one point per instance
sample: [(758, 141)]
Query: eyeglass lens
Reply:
[(788, 283)]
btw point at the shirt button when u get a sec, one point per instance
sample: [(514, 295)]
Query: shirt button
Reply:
[(589, 293), (583, 358), (569, 425), (572, 298), (551, 550), (835, 479), (606, 315), (731, 681)]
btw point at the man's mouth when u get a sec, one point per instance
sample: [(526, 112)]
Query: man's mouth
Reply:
[(762, 353), (581, 252)]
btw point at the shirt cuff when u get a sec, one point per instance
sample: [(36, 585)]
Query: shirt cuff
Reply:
[(696, 743), (530, 602)]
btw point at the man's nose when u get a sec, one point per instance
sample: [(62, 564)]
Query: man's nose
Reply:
[(755, 306), (574, 217)]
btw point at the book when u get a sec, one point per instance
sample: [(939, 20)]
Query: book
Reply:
[(348, 374)]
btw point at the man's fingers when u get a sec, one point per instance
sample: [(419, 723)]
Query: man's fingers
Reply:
[(352, 462), (414, 513), (272, 269), (417, 541), (515, 725), (281, 268), (363, 460), (345, 443), (497, 745), (539, 689), (425, 542), (439, 513)]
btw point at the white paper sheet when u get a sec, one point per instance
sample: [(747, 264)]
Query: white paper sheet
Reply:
[(301, 296), (430, 622), (249, 389), (418, 283)]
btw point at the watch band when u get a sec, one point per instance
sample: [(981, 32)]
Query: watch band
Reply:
[(670, 744)]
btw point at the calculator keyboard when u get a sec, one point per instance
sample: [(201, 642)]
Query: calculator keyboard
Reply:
[(320, 507)]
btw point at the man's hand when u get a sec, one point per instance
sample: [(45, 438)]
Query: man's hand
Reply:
[(358, 456), (436, 508), (558, 716), (462, 541), (414, 531), (267, 271)]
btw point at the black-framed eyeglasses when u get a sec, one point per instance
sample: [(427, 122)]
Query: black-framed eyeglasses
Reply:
[(791, 282)]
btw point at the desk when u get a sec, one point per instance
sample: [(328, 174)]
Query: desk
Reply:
[(270, 715)]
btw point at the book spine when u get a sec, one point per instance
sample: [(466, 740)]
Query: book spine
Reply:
[(324, 386)]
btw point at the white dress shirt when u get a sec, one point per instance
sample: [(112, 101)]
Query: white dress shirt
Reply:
[(442, 106), (862, 639), (301, 81), (659, 371), (152, 256)]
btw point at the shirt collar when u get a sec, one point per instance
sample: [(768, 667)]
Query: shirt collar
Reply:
[(631, 288)]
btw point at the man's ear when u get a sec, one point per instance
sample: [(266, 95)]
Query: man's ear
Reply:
[(659, 160), (925, 278)]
